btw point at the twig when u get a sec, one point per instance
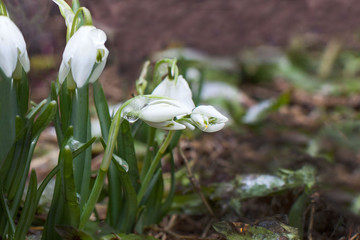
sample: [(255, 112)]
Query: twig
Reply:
[(171, 222), (207, 228), (311, 224), (355, 236), (195, 183)]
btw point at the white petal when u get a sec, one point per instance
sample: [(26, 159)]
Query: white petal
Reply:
[(98, 37), (160, 112), (210, 111), (214, 127), (83, 62), (63, 72), (200, 121), (167, 125), (179, 91), (12, 46), (8, 57), (187, 124), (99, 67), (25, 62)]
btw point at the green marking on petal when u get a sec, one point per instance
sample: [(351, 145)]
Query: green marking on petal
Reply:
[(100, 55)]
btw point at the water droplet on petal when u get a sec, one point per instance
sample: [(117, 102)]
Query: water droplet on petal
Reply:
[(131, 111)]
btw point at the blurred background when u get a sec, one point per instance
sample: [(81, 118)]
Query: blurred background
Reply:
[(138, 29), (286, 72)]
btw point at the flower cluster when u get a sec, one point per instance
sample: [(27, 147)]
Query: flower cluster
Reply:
[(176, 110)]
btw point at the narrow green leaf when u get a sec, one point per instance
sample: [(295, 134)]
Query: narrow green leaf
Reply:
[(56, 212), (45, 182), (102, 109), (77, 147), (21, 181), (115, 158), (35, 110), (22, 94), (116, 196), (68, 185), (152, 201), (81, 122), (65, 99), (44, 119), (126, 151), (57, 122), (19, 128), (127, 216), (29, 209), (7, 211), (8, 112), (20, 166), (297, 211)]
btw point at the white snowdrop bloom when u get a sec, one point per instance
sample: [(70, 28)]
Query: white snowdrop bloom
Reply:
[(208, 119), (84, 56), (12, 47)]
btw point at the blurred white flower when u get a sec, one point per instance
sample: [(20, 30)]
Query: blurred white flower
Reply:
[(208, 119), (84, 56), (179, 91), (163, 114), (12, 47)]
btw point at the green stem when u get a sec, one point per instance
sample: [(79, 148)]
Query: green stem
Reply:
[(173, 70), (77, 20), (153, 166), (99, 182), (3, 11), (75, 5)]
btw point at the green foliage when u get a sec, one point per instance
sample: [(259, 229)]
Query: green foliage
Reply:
[(273, 230), (259, 185)]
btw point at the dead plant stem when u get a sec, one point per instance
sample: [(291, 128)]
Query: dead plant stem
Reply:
[(194, 182)]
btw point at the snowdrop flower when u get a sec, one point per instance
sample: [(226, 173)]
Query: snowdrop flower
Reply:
[(12, 47), (163, 114), (84, 56), (208, 119), (179, 91)]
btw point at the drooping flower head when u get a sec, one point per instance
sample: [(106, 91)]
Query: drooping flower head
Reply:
[(12, 47), (208, 119), (84, 56)]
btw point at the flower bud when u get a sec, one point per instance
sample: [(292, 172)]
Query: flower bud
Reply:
[(208, 119)]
